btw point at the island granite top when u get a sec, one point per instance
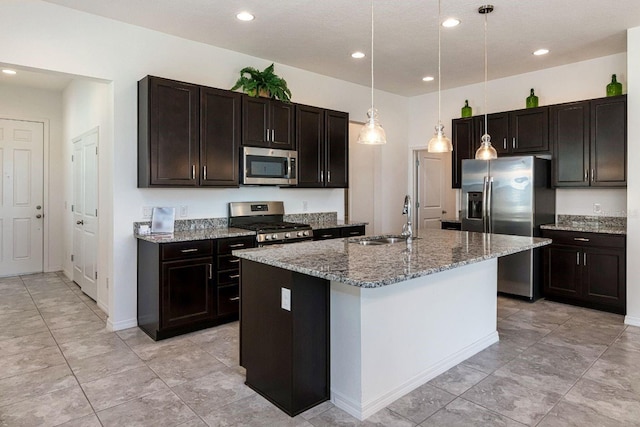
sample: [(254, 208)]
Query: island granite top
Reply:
[(191, 235), (372, 266)]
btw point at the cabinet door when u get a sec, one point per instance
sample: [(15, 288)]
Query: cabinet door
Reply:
[(498, 124), (219, 137), (310, 141), (530, 130), (187, 294), (173, 132), (562, 271), (281, 125), (570, 144), (337, 149), (604, 276), (463, 148), (255, 121), (609, 142)]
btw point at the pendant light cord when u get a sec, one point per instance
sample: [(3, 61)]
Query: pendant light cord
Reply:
[(372, 59), (439, 25), (486, 129)]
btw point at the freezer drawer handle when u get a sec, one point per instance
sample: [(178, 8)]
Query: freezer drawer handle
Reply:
[(581, 239)]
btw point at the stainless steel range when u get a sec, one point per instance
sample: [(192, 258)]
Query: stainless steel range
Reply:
[(266, 219)]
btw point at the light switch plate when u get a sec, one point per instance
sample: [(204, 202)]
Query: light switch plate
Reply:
[(285, 300)]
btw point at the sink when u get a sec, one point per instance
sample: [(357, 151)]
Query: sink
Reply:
[(380, 240)]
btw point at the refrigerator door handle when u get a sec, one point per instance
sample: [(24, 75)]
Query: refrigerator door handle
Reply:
[(485, 212), (489, 213)]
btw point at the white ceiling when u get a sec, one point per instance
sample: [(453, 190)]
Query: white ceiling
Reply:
[(320, 35), (35, 79)]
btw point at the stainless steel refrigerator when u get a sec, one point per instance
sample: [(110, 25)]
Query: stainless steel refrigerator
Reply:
[(510, 195)]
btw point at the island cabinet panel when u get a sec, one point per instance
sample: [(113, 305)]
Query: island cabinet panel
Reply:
[(337, 232), (268, 123), (464, 147), (589, 140), (586, 269), (168, 133), (288, 362), (323, 147)]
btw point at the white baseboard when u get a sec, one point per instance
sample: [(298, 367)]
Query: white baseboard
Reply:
[(102, 306), (373, 406), (631, 320), (123, 324)]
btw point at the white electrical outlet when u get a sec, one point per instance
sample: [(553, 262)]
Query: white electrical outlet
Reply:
[(285, 301), (305, 206), (184, 211), (597, 208), (146, 211)]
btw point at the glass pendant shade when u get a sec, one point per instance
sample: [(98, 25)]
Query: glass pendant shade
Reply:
[(439, 143), (371, 132), (486, 150)]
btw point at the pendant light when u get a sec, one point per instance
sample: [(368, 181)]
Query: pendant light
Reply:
[(372, 132), (486, 151), (439, 143)]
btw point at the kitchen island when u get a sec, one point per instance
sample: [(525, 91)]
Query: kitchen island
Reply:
[(400, 314)]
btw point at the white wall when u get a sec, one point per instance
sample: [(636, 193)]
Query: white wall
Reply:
[(45, 36), (573, 82), (43, 105), (88, 105), (633, 183)]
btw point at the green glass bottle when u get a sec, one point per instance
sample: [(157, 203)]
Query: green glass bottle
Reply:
[(614, 88), (532, 100), (466, 110)]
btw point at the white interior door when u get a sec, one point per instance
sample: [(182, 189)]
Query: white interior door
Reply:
[(85, 212), (21, 197), (361, 179), (430, 175)]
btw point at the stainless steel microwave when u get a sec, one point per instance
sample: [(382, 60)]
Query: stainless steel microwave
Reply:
[(267, 166)]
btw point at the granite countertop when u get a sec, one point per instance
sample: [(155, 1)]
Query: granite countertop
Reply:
[(346, 261), (320, 225), (589, 224), (191, 235)]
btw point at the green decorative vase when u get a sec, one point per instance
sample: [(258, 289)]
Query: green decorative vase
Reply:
[(466, 110), (532, 100), (614, 88)]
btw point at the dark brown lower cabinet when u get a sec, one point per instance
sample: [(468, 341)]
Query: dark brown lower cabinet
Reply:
[(285, 351), (337, 232), (587, 269)]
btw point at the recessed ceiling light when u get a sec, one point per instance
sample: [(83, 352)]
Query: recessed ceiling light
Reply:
[(428, 79), (451, 22), (245, 16), (541, 52), (7, 71), (357, 55)]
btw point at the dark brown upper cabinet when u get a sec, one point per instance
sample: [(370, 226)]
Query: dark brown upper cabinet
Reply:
[(498, 124), (589, 140), (268, 123), (188, 135), (323, 147), (529, 131)]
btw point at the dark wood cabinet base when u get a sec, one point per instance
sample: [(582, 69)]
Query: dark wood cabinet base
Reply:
[(160, 334)]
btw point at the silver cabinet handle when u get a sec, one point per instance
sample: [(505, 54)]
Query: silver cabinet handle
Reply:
[(234, 276), (584, 258), (326, 235), (234, 299), (234, 260), (193, 172), (586, 175), (236, 245), (267, 135), (321, 176), (210, 271), (504, 143), (273, 135), (593, 175), (204, 172), (328, 176), (577, 258), (186, 251), (581, 239), (354, 233), (514, 142)]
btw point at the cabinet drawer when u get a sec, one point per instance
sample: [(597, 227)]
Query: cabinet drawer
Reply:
[(186, 249), (352, 231), (326, 233), (585, 239), (228, 262), (228, 300), (225, 246), (230, 277)]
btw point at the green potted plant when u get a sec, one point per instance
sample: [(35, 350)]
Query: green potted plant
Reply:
[(263, 83)]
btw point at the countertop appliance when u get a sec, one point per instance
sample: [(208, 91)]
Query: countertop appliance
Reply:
[(266, 219), (510, 195), (267, 166)]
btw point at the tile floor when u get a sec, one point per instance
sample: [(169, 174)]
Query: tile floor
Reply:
[(555, 365)]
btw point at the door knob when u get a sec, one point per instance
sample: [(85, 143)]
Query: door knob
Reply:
[(38, 216), (38, 207), (80, 222)]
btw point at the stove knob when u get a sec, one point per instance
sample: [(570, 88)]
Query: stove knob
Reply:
[(267, 237), (275, 236), (306, 233), (287, 235)]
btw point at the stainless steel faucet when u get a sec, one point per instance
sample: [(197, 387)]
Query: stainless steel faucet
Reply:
[(407, 230)]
